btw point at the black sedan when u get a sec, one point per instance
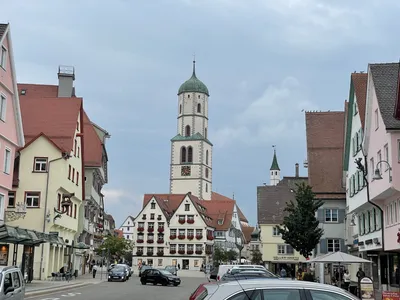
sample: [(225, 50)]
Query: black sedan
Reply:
[(117, 274), (163, 277), (142, 269)]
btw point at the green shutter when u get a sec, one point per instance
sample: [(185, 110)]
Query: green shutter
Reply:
[(323, 247)]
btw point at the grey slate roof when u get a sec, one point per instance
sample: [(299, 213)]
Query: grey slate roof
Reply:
[(3, 28), (385, 77)]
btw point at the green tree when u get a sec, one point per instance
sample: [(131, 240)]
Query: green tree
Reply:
[(219, 255), (300, 226), (256, 257), (115, 246), (231, 255)]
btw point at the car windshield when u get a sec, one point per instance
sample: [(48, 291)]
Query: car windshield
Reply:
[(118, 269), (165, 272)]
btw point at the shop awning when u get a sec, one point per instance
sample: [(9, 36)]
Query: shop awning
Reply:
[(17, 235)]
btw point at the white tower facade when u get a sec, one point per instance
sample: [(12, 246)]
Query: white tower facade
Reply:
[(191, 151), (274, 171)]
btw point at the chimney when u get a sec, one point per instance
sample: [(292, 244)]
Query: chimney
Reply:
[(297, 170), (66, 77)]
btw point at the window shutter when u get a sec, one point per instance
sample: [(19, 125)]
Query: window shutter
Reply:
[(323, 247), (353, 146), (351, 187), (320, 215), (356, 183), (341, 215), (343, 247)]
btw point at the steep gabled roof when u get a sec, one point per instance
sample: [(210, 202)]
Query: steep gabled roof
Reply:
[(385, 78), (325, 139), (221, 211), (3, 28), (128, 218), (217, 197), (54, 117)]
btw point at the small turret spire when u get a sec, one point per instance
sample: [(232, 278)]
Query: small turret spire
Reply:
[(194, 65), (274, 165)]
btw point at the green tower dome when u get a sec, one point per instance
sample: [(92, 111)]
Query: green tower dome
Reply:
[(193, 84)]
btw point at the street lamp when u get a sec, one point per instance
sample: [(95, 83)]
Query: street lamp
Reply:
[(377, 175)]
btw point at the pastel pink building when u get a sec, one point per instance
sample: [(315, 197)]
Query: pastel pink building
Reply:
[(382, 147), (11, 133)]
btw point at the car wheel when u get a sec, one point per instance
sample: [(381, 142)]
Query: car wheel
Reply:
[(143, 282), (109, 280), (165, 283)]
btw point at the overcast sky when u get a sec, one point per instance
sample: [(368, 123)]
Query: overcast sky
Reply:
[(263, 62)]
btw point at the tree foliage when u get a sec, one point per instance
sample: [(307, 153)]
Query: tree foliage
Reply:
[(115, 246), (221, 255), (256, 257), (300, 226), (231, 255)]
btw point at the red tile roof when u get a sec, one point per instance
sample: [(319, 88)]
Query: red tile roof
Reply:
[(247, 231), (220, 211), (360, 81), (216, 196), (93, 150), (325, 141), (54, 117)]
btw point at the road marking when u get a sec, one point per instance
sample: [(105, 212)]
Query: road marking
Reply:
[(64, 295)]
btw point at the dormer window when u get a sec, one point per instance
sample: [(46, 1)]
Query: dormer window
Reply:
[(220, 221), (153, 205)]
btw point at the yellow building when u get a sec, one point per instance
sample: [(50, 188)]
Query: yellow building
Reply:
[(49, 181), (275, 252)]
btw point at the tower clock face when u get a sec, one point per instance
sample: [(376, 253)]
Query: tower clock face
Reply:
[(185, 170)]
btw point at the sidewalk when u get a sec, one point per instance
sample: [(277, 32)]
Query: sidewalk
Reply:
[(41, 287)]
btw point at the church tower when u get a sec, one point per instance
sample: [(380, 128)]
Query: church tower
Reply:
[(275, 172), (191, 151)]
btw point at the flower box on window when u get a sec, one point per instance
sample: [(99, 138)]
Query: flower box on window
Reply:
[(160, 241), (140, 229), (181, 221), (149, 253), (199, 236), (160, 253), (210, 238), (189, 252), (190, 237), (181, 251), (199, 252), (181, 237), (172, 236), (160, 229), (190, 221), (139, 241), (172, 251), (150, 229), (150, 241)]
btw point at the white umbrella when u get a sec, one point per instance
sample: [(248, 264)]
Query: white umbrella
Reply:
[(338, 257)]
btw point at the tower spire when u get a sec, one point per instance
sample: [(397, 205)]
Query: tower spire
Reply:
[(274, 165), (194, 65)]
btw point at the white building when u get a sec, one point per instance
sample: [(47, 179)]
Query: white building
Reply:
[(127, 228)]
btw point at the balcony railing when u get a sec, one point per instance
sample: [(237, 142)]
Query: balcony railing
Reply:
[(210, 237)]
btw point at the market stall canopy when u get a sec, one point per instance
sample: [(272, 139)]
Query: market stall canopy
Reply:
[(16, 235), (338, 257)]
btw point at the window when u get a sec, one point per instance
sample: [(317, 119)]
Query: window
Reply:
[(151, 217), (275, 231), (206, 157), (77, 178), (395, 211), (376, 119), (73, 174), (379, 158), (187, 207), (11, 199), (323, 295), (3, 58), (333, 245), (372, 168), (7, 282), (32, 199), (187, 130), (127, 236), (75, 145), (75, 209), (3, 107), (279, 294), (198, 107), (355, 108), (16, 280), (205, 132), (40, 164), (183, 154), (77, 126), (206, 188), (285, 249), (59, 201), (281, 249), (153, 205), (386, 155), (78, 152), (190, 154), (7, 161), (180, 108), (331, 215), (206, 173), (69, 172)]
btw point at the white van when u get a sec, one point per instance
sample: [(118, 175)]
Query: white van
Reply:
[(222, 269)]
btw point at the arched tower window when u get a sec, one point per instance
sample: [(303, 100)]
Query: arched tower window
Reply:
[(198, 107), (205, 132), (183, 154), (187, 130), (207, 157), (180, 108), (206, 188), (189, 154)]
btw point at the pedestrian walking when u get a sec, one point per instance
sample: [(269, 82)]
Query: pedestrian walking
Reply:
[(94, 271), (347, 279)]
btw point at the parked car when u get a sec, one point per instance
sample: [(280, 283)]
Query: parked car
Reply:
[(129, 269), (12, 283), (172, 269), (270, 289), (144, 268), (163, 277), (244, 275), (118, 273)]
